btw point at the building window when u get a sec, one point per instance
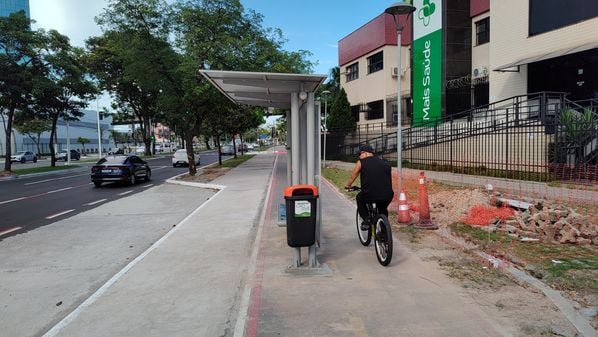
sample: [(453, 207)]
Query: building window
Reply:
[(375, 63), (355, 112), (547, 15), (352, 72), (482, 30), (375, 110)]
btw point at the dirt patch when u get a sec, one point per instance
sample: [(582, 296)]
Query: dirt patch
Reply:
[(4, 174), (205, 175), (523, 311)]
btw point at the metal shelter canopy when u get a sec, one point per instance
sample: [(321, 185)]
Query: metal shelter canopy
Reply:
[(546, 56), (294, 93), (260, 88)]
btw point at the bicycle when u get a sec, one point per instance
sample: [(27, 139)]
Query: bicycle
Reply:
[(379, 229)]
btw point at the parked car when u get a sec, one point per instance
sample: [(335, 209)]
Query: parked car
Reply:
[(116, 151), (62, 155), (180, 158), (140, 150), (226, 150), (120, 168), (23, 156)]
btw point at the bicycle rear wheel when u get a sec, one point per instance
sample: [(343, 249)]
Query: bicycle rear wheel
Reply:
[(365, 237), (383, 240)]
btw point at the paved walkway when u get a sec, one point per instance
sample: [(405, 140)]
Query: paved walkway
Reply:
[(249, 290)]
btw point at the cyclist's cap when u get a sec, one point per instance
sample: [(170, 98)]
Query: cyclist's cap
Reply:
[(366, 148)]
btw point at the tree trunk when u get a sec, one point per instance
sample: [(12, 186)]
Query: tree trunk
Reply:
[(52, 137), (219, 150), (8, 132), (190, 154)]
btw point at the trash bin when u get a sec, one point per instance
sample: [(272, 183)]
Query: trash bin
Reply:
[(301, 202)]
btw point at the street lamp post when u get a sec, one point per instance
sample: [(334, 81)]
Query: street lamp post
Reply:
[(67, 96), (99, 131), (325, 93), (395, 10)]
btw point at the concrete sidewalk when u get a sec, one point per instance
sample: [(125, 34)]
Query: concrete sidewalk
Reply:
[(223, 271)]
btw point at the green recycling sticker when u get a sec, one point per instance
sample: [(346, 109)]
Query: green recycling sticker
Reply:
[(302, 209)]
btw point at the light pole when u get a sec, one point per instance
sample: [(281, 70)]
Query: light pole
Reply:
[(99, 131), (325, 93), (67, 95), (396, 9)]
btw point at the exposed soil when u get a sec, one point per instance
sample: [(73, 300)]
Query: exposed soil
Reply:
[(205, 175)]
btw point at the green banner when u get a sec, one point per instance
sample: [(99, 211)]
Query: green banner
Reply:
[(427, 62)]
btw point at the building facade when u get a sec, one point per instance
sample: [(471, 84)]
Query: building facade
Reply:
[(8, 7), (491, 50)]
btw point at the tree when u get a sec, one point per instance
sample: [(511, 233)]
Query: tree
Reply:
[(33, 127), (19, 47), (64, 91), (82, 141), (340, 117)]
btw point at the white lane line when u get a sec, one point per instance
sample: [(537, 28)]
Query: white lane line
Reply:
[(59, 214), (95, 202), (127, 192), (10, 230), (60, 190), (159, 168), (46, 180), (148, 185), (56, 329), (11, 200)]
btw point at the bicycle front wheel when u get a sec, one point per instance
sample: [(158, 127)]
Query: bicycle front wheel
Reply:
[(365, 237), (383, 240)]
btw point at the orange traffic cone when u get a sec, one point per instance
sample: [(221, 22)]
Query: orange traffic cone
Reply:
[(424, 208), (404, 215)]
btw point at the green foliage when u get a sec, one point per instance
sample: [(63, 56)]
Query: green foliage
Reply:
[(339, 116), (576, 126)]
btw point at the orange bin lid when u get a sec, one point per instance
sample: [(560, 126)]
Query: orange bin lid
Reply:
[(300, 190)]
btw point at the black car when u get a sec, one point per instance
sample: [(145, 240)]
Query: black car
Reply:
[(62, 155), (120, 168)]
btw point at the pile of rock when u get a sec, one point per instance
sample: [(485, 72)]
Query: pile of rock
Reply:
[(554, 224)]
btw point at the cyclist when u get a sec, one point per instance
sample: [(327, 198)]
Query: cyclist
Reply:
[(376, 183)]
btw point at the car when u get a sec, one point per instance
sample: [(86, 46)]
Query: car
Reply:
[(116, 151), (62, 155), (180, 158), (24, 156), (140, 150), (226, 150), (120, 168)]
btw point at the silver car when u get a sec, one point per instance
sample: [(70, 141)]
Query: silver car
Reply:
[(24, 156)]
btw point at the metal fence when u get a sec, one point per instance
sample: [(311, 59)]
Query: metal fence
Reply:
[(520, 138)]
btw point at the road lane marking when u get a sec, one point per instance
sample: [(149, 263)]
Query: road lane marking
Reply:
[(10, 230), (46, 180), (127, 192), (41, 194), (95, 202), (60, 190), (56, 329), (11, 200), (148, 185), (59, 214)]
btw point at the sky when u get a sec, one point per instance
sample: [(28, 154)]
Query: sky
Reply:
[(312, 25)]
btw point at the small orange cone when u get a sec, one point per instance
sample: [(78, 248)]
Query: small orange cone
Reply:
[(404, 215), (424, 208)]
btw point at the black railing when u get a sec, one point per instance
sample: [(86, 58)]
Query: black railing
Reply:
[(517, 138)]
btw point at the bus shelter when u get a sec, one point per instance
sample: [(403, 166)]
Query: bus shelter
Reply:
[(293, 93)]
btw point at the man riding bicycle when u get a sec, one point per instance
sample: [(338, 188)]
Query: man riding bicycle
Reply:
[(376, 183)]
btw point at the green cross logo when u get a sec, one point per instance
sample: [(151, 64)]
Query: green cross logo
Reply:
[(426, 11)]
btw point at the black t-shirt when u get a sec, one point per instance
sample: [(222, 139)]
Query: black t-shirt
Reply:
[(376, 179)]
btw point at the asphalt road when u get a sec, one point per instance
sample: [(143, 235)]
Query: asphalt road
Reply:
[(30, 202)]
